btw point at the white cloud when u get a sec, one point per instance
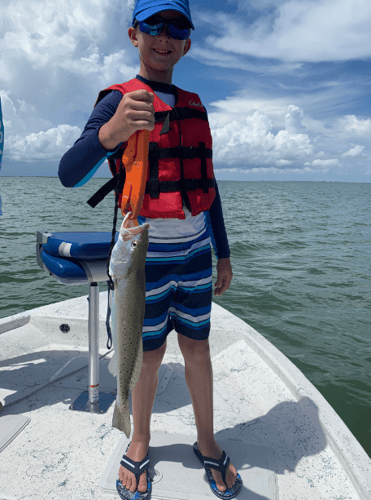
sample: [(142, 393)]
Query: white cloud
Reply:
[(324, 163), (251, 139), (300, 30), (47, 145), (259, 134), (354, 125), (356, 151), (20, 117), (293, 120), (63, 35), (55, 56)]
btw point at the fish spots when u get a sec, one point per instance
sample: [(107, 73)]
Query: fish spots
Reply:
[(128, 263)]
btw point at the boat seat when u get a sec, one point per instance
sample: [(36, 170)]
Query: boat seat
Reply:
[(76, 258)]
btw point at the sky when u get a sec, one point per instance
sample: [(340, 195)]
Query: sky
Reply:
[(286, 83)]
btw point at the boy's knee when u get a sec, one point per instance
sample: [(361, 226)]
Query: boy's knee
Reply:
[(153, 359), (194, 351)]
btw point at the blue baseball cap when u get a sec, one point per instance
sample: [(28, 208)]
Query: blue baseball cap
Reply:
[(146, 8)]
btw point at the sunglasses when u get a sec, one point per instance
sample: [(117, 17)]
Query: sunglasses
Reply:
[(154, 26)]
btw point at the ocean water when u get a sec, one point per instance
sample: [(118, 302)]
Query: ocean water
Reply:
[(301, 257)]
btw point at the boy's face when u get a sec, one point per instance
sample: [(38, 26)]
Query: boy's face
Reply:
[(159, 54)]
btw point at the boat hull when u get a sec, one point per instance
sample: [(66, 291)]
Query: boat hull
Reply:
[(260, 398)]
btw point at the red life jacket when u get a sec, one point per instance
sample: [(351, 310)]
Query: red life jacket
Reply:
[(180, 156)]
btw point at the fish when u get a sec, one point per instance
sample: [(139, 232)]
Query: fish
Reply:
[(127, 268)]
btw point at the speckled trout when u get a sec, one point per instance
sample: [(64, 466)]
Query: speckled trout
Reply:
[(127, 268)]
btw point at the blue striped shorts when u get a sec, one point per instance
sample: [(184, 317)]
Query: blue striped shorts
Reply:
[(178, 290)]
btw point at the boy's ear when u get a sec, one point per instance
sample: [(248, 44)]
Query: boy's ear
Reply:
[(132, 32), (187, 46)]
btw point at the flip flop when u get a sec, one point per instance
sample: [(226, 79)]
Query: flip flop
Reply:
[(220, 465), (137, 468)]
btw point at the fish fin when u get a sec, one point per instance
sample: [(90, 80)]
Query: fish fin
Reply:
[(121, 419), (112, 365)]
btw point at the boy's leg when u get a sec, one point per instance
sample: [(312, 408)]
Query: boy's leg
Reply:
[(142, 396), (191, 317), (199, 378)]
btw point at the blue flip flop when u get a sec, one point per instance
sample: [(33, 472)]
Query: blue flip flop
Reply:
[(220, 465), (137, 468)]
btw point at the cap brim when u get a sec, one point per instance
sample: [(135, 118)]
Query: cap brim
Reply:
[(146, 13)]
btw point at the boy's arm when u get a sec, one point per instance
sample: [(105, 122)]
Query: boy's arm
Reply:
[(219, 240), (216, 225), (80, 162), (112, 122)]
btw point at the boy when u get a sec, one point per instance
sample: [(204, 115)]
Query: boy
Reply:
[(180, 210)]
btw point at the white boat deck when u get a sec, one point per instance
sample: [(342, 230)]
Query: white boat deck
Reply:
[(282, 436)]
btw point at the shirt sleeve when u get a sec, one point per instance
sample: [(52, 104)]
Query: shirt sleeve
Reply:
[(81, 162), (215, 223)]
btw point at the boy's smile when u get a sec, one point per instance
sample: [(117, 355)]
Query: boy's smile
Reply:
[(159, 54)]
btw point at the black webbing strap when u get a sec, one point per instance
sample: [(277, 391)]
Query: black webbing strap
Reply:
[(110, 284), (153, 184), (102, 192), (108, 317), (117, 182), (184, 152), (186, 184), (166, 125), (154, 187), (180, 114)]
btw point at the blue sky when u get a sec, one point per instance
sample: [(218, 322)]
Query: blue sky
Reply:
[(286, 83)]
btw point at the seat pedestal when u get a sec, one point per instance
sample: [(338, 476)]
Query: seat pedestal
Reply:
[(92, 400)]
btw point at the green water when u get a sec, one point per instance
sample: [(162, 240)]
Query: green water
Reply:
[(301, 256)]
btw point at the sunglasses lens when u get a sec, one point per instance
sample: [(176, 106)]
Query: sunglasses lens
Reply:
[(155, 30), (178, 34), (154, 26), (150, 29)]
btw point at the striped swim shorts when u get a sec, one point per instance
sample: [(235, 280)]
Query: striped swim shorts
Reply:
[(178, 290)]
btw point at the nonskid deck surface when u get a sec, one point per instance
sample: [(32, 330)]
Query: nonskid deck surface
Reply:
[(71, 455), (176, 473)]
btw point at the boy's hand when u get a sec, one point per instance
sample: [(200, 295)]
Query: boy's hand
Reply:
[(224, 278), (135, 112)]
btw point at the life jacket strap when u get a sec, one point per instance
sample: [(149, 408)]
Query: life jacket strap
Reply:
[(180, 114), (107, 188), (180, 185), (177, 114), (184, 152), (154, 186)]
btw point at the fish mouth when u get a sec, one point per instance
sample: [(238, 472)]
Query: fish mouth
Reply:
[(132, 225), (129, 232)]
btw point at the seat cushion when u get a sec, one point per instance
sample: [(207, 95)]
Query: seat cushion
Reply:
[(79, 245)]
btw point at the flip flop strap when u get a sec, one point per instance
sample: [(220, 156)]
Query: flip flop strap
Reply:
[(220, 464), (137, 468)]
